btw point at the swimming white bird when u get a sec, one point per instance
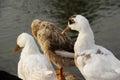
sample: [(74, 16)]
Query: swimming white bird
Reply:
[(95, 62), (33, 65)]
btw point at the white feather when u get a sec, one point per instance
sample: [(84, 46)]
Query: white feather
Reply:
[(33, 65), (64, 53)]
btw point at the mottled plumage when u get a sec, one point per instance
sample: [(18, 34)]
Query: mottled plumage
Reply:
[(51, 40)]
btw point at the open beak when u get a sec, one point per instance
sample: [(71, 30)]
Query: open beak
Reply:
[(17, 48), (66, 30)]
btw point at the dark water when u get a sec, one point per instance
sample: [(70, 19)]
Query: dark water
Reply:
[(16, 17)]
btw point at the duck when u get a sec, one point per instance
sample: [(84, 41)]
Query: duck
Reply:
[(95, 62), (33, 65), (57, 47)]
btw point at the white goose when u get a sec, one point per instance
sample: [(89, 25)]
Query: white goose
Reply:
[(95, 62), (33, 65)]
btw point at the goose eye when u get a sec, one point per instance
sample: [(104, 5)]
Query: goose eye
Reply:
[(71, 21)]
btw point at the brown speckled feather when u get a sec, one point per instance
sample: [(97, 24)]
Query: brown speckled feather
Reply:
[(50, 39)]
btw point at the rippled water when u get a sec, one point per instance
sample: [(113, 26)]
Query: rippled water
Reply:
[(16, 17)]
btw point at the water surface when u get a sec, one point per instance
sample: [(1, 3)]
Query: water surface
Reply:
[(16, 17)]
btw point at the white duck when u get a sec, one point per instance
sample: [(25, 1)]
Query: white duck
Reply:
[(95, 62), (33, 65)]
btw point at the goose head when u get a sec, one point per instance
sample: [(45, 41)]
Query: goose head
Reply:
[(77, 23), (21, 41)]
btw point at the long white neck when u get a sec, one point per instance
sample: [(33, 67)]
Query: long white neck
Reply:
[(85, 40), (30, 48)]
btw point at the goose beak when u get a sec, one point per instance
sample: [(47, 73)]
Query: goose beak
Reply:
[(66, 30), (17, 48)]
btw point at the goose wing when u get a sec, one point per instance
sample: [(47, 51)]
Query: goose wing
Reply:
[(47, 32)]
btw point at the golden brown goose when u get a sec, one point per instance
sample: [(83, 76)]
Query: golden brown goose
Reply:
[(57, 47)]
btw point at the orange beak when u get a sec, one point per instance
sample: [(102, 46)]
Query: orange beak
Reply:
[(17, 48), (66, 30)]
